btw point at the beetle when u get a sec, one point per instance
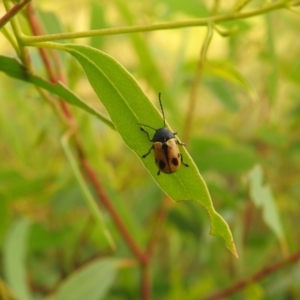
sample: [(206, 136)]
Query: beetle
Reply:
[(165, 146)]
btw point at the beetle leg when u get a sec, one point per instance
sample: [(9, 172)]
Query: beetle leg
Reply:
[(182, 161), (179, 143), (147, 152), (146, 133), (158, 172)]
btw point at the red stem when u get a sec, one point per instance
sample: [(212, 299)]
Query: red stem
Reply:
[(12, 12), (160, 217), (35, 26), (145, 286), (90, 173), (256, 277), (247, 220), (106, 202)]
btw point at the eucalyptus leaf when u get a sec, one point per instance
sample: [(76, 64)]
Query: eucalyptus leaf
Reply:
[(90, 282), (226, 73), (263, 197), (223, 93), (14, 69), (127, 105), (14, 258)]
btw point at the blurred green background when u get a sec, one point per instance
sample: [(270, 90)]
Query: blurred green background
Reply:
[(244, 139)]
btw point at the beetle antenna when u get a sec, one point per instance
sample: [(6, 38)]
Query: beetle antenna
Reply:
[(162, 109), (146, 126)]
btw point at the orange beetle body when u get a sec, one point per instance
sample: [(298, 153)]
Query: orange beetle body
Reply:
[(167, 156)]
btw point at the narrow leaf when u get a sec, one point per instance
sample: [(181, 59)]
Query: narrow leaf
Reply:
[(127, 104), (262, 197), (14, 254), (13, 69), (229, 74), (91, 282), (223, 93), (90, 201)]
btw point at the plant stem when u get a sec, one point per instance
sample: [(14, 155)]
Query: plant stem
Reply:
[(34, 23), (87, 194), (159, 26), (256, 277), (194, 88), (145, 284), (8, 34), (12, 12), (160, 218), (143, 259), (23, 54), (89, 172)]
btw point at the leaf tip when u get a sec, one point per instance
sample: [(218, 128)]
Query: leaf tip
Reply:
[(221, 229)]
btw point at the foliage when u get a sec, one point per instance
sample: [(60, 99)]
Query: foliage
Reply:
[(83, 216)]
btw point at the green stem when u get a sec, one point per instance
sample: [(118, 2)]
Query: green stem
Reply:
[(159, 26), (9, 36), (239, 5), (23, 55), (14, 24), (194, 88), (86, 192), (12, 12), (206, 42)]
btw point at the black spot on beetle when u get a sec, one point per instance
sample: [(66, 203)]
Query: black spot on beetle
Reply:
[(162, 164), (174, 161)]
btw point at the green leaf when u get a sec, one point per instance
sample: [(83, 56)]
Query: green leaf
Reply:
[(51, 22), (223, 93), (127, 104), (13, 69), (14, 255), (226, 74), (91, 282), (97, 21), (262, 197)]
